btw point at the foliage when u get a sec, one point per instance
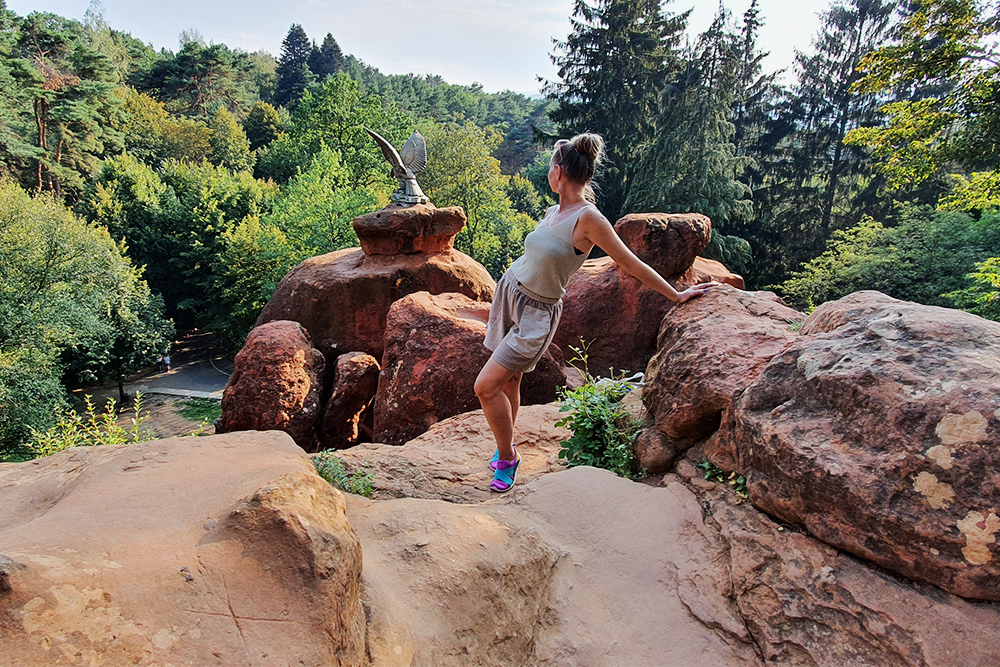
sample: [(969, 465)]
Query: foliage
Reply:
[(68, 299), (330, 468), (230, 146), (326, 59), (91, 429), (262, 125), (715, 474), (201, 78), (944, 61), (461, 171), (692, 166), (926, 256), (205, 410), (293, 74), (153, 135), (983, 296), (335, 115), (612, 67), (603, 431)]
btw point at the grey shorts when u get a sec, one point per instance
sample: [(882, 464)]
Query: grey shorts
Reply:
[(521, 325)]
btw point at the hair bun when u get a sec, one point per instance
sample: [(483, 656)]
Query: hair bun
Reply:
[(589, 145)]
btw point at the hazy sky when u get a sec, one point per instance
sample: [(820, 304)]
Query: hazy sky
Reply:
[(502, 44)]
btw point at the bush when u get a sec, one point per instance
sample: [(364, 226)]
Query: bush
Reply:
[(330, 468), (603, 431), (90, 429)]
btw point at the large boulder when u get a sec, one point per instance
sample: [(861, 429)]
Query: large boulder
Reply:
[(276, 384), (448, 462), (423, 228), (224, 550), (617, 315), (433, 353), (349, 406), (343, 297), (709, 350), (631, 574), (880, 433)]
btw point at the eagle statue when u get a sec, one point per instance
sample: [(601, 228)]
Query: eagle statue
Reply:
[(406, 164)]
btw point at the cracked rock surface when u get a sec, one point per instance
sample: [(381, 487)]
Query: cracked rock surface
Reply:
[(225, 550)]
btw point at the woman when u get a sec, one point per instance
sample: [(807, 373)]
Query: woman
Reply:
[(528, 300)]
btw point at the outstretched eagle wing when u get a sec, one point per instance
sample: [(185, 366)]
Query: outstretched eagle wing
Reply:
[(388, 151), (414, 153)]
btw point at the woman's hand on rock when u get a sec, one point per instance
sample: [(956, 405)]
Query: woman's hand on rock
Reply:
[(696, 291)]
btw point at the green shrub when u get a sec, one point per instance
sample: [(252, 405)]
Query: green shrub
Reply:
[(90, 429), (331, 468), (603, 430)]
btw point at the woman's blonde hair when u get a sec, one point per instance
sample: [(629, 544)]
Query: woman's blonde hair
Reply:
[(579, 158)]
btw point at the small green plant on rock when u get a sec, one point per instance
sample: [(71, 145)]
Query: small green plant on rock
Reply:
[(714, 473), (92, 428), (331, 468), (603, 430)]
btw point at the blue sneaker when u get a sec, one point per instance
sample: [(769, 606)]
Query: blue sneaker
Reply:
[(505, 474)]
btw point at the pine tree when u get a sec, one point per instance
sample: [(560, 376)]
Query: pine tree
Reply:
[(613, 65), (691, 166), (326, 59), (292, 77)]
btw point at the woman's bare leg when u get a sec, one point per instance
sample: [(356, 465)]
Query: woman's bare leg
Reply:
[(497, 406), (512, 390)]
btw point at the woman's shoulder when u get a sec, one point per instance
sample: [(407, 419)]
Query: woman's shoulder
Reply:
[(591, 214)]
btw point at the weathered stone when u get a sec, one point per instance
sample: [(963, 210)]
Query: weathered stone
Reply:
[(449, 461), (350, 400), (617, 315), (804, 603), (224, 550), (709, 350), (668, 242), (882, 437), (342, 298), (423, 228), (276, 384), (433, 353)]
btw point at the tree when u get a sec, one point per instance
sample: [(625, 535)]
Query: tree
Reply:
[(63, 283), (230, 147), (461, 171), (945, 73), (74, 108), (154, 136), (336, 116), (612, 67), (200, 78), (293, 74), (924, 258), (691, 165), (325, 60), (262, 125)]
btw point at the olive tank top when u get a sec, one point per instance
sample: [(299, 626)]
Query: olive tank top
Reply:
[(549, 258)]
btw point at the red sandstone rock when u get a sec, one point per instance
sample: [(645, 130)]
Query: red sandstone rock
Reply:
[(709, 350), (342, 298), (423, 228), (618, 315), (668, 242), (186, 551), (448, 462), (433, 353), (350, 400), (882, 437), (275, 385)]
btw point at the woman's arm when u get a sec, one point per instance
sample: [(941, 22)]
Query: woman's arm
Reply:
[(598, 231)]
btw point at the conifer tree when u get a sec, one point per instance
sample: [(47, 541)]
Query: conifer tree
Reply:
[(326, 59), (691, 166), (292, 72), (611, 68)]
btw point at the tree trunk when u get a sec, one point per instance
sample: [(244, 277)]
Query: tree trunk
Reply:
[(122, 397)]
